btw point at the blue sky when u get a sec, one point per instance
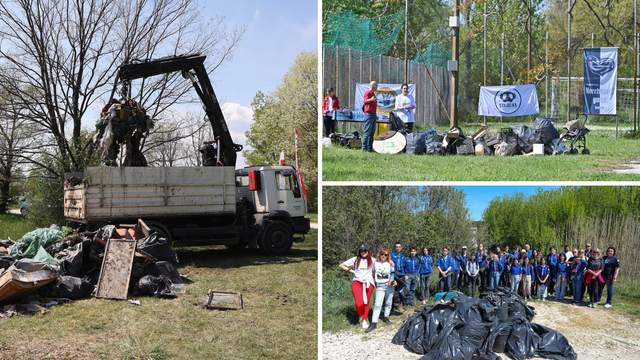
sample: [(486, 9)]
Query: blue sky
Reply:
[(478, 197)]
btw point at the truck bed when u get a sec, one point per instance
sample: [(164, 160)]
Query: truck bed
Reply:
[(111, 193)]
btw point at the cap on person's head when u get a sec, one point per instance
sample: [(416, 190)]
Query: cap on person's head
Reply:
[(365, 247), (523, 250), (464, 248)]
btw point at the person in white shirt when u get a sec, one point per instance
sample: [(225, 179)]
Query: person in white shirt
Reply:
[(405, 106), (383, 271), (363, 283)]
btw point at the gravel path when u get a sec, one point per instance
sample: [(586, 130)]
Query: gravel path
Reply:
[(582, 326)]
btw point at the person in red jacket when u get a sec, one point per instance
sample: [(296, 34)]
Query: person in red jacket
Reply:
[(330, 104), (370, 117)]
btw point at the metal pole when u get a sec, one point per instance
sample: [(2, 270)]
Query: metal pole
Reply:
[(337, 73), (546, 77), (502, 63), (453, 120), (635, 63), (593, 37), (569, 61), (406, 39), (485, 52), (529, 46)]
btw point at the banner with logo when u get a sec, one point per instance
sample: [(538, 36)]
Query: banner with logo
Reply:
[(386, 95), (600, 80), (508, 100)]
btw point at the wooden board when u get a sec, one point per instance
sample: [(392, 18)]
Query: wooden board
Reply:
[(393, 145), (16, 284), (116, 269)]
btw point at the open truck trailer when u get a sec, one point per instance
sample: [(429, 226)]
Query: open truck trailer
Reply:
[(260, 206)]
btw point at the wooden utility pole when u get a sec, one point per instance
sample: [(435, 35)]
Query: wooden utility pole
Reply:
[(635, 63), (406, 40), (453, 121), (569, 61), (529, 46)]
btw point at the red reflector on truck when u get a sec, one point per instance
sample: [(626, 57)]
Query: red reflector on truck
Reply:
[(254, 180)]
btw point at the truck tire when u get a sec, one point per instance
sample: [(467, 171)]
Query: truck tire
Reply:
[(161, 229), (276, 239)]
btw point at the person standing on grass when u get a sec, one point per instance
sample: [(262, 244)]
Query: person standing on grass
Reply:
[(535, 261), (577, 269), (610, 274), (426, 264), (398, 261), (463, 269), (516, 276), (363, 283), (593, 276), (504, 277), (561, 275), (411, 268), (444, 267), (527, 276), (329, 104), (456, 260), (480, 256), (405, 106), (542, 274), (472, 268), (495, 269), (370, 109), (384, 275), (552, 261)]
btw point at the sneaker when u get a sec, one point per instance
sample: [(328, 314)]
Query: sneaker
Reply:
[(371, 327), (607, 305), (386, 320), (360, 320), (595, 305), (424, 302), (590, 305), (365, 324)]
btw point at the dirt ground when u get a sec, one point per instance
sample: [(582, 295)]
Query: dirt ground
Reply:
[(593, 333)]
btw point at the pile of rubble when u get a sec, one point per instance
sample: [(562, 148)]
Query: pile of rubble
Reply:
[(49, 265)]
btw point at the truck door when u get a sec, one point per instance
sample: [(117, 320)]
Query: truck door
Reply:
[(290, 193)]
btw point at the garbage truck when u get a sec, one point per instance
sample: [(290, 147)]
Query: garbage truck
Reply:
[(257, 206)]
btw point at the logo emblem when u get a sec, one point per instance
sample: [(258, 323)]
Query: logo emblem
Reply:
[(600, 66), (508, 101)]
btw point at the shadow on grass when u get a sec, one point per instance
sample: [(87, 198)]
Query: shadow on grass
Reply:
[(222, 258)]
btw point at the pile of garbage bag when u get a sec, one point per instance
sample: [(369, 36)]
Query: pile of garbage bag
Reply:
[(67, 264), (478, 328)]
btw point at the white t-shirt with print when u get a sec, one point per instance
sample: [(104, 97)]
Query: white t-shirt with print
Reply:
[(383, 272), (362, 273)]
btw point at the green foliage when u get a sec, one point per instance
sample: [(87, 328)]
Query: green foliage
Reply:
[(378, 216), (293, 105)]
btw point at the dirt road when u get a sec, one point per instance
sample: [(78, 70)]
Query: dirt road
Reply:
[(593, 333)]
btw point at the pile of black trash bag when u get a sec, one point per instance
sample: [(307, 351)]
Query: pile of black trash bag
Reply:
[(478, 328)]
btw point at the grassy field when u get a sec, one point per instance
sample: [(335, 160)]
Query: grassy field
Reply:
[(279, 319), (313, 217), (343, 164)]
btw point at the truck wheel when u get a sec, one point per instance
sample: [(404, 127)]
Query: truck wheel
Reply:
[(161, 229), (276, 239)]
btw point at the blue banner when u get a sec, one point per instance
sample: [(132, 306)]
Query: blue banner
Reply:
[(508, 100), (600, 80)]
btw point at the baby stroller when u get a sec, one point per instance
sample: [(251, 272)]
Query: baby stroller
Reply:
[(575, 131)]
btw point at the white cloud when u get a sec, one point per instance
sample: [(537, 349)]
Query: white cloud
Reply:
[(239, 119)]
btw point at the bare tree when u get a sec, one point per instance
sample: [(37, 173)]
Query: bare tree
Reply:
[(63, 55)]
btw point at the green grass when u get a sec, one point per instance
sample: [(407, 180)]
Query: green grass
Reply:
[(15, 226), (343, 164), (279, 319)]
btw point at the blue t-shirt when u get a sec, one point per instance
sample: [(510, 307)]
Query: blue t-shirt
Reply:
[(411, 265), (562, 268), (542, 270), (495, 266), (527, 269), (480, 258), (398, 260), (552, 259), (578, 270), (516, 270), (444, 262), (610, 265), (426, 262)]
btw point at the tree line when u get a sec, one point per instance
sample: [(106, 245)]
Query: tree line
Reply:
[(378, 216)]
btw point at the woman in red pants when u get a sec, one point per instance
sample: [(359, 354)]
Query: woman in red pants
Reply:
[(363, 283)]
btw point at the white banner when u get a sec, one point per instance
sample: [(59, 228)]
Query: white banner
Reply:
[(600, 80), (508, 100), (386, 95)]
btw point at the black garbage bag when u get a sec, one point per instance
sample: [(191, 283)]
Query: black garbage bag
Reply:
[(552, 344), (92, 275), (524, 134), (416, 143), (435, 148), (416, 334), (157, 248), (346, 138), (401, 290), (543, 126), (165, 268), (158, 286), (72, 287), (70, 260), (520, 345), (451, 347), (6, 261), (434, 323)]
